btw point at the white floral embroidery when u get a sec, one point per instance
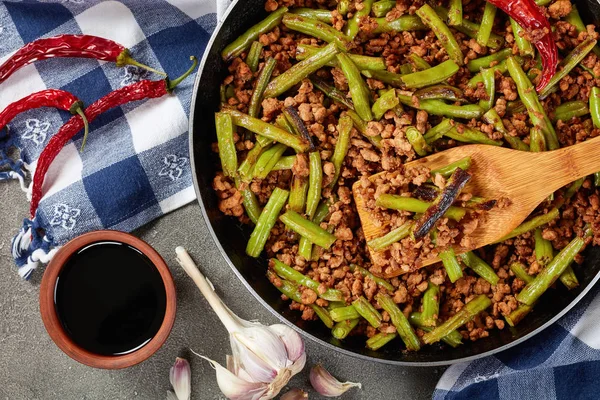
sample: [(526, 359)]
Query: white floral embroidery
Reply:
[(132, 74), (173, 166), (36, 130), (64, 216)]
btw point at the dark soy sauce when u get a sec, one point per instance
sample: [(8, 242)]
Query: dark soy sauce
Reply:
[(110, 298)]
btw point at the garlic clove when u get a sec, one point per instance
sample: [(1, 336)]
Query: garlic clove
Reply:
[(235, 388), (298, 365), (181, 378), (295, 394), (293, 342), (326, 385), (257, 368)]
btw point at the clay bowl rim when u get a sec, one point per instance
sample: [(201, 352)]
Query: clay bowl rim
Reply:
[(54, 327)]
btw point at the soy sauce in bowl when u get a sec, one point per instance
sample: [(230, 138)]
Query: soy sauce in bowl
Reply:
[(110, 298)]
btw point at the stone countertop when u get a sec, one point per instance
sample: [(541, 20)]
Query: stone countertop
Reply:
[(32, 367)]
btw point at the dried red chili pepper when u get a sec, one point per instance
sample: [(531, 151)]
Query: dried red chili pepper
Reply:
[(79, 46), (141, 90), (530, 17), (46, 98)]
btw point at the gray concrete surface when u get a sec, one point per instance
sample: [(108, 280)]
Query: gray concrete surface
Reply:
[(32, 367)]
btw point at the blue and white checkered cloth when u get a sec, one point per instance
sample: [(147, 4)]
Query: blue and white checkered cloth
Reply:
[(135, 166)]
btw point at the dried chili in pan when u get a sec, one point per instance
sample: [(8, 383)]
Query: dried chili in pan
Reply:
[(141, 90), (78, 46), (46, 98)]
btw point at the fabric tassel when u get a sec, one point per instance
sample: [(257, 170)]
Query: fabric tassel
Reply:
[(30, 248)]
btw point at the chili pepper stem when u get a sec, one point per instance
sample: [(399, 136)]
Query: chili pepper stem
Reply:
[(86, 127), (171, 84), (125, 59)]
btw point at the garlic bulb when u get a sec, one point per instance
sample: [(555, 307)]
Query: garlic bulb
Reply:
[(326, 385), (263, 359), (181, 378)]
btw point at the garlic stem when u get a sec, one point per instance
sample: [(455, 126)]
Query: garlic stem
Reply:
[(186, 262)]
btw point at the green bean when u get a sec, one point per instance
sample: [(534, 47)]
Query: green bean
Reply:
[(533, 223), (342, 145), (367, 311), (331, 92), (361, 126), (352, 26), (303, 51), (492, 117), (239, 45), (501, 67), (517, 315), (289, 273), (390, 78), (489, 82), (315, 184), (344, 313), (382, 7), (418, 62), (317, 29), (543, 249), (555, 268), (343, 328), (530, 99), (515, 107), (223, 94), (284, 163), (451, 264), (448, 170), (310, 230), (300, 71), (442, 32), (537, 140), (318, 14), (253, 55), (575, 19), (246, 168), (405, 331), (393, 236), (251, 205), (595, 106), (225, 141), (431, 305), (410, 204), (471, 135), (569, 279), (455, 13), (358, 88), (267, 130), (471, 29), (404, 23), (282, 122), (297, 200), (268, 159), (454, 338), (438, 131), (261, 84), (543, 2), (597, 179), (440, 92), (266, 221), (406, 69), (416, 140), (343, 6), (484, 62), (466, 314), (570, 109), (438, 107), (520, 272), (380, 339), (480, 267), (570, 192), (379, 281), (568, 63), (292, 292), (524, 46), (385, 102), (487, 23), (305, 245), (430, 76), (536, 69)]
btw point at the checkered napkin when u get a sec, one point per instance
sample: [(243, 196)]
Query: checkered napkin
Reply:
[(562, 362), (135, 166)]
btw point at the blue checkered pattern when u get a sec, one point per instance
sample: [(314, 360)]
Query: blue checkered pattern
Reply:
[(562, 362), (135, 166)]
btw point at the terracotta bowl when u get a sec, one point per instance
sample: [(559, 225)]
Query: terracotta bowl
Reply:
[(54, 326)]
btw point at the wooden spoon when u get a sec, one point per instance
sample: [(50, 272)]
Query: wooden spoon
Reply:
[(524, 178)]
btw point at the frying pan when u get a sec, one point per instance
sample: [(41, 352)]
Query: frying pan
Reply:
[(231, 237)]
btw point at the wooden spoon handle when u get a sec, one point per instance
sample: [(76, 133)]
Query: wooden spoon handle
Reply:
[(578, 161)]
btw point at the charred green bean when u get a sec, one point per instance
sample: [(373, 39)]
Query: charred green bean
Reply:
[(266, 222)]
